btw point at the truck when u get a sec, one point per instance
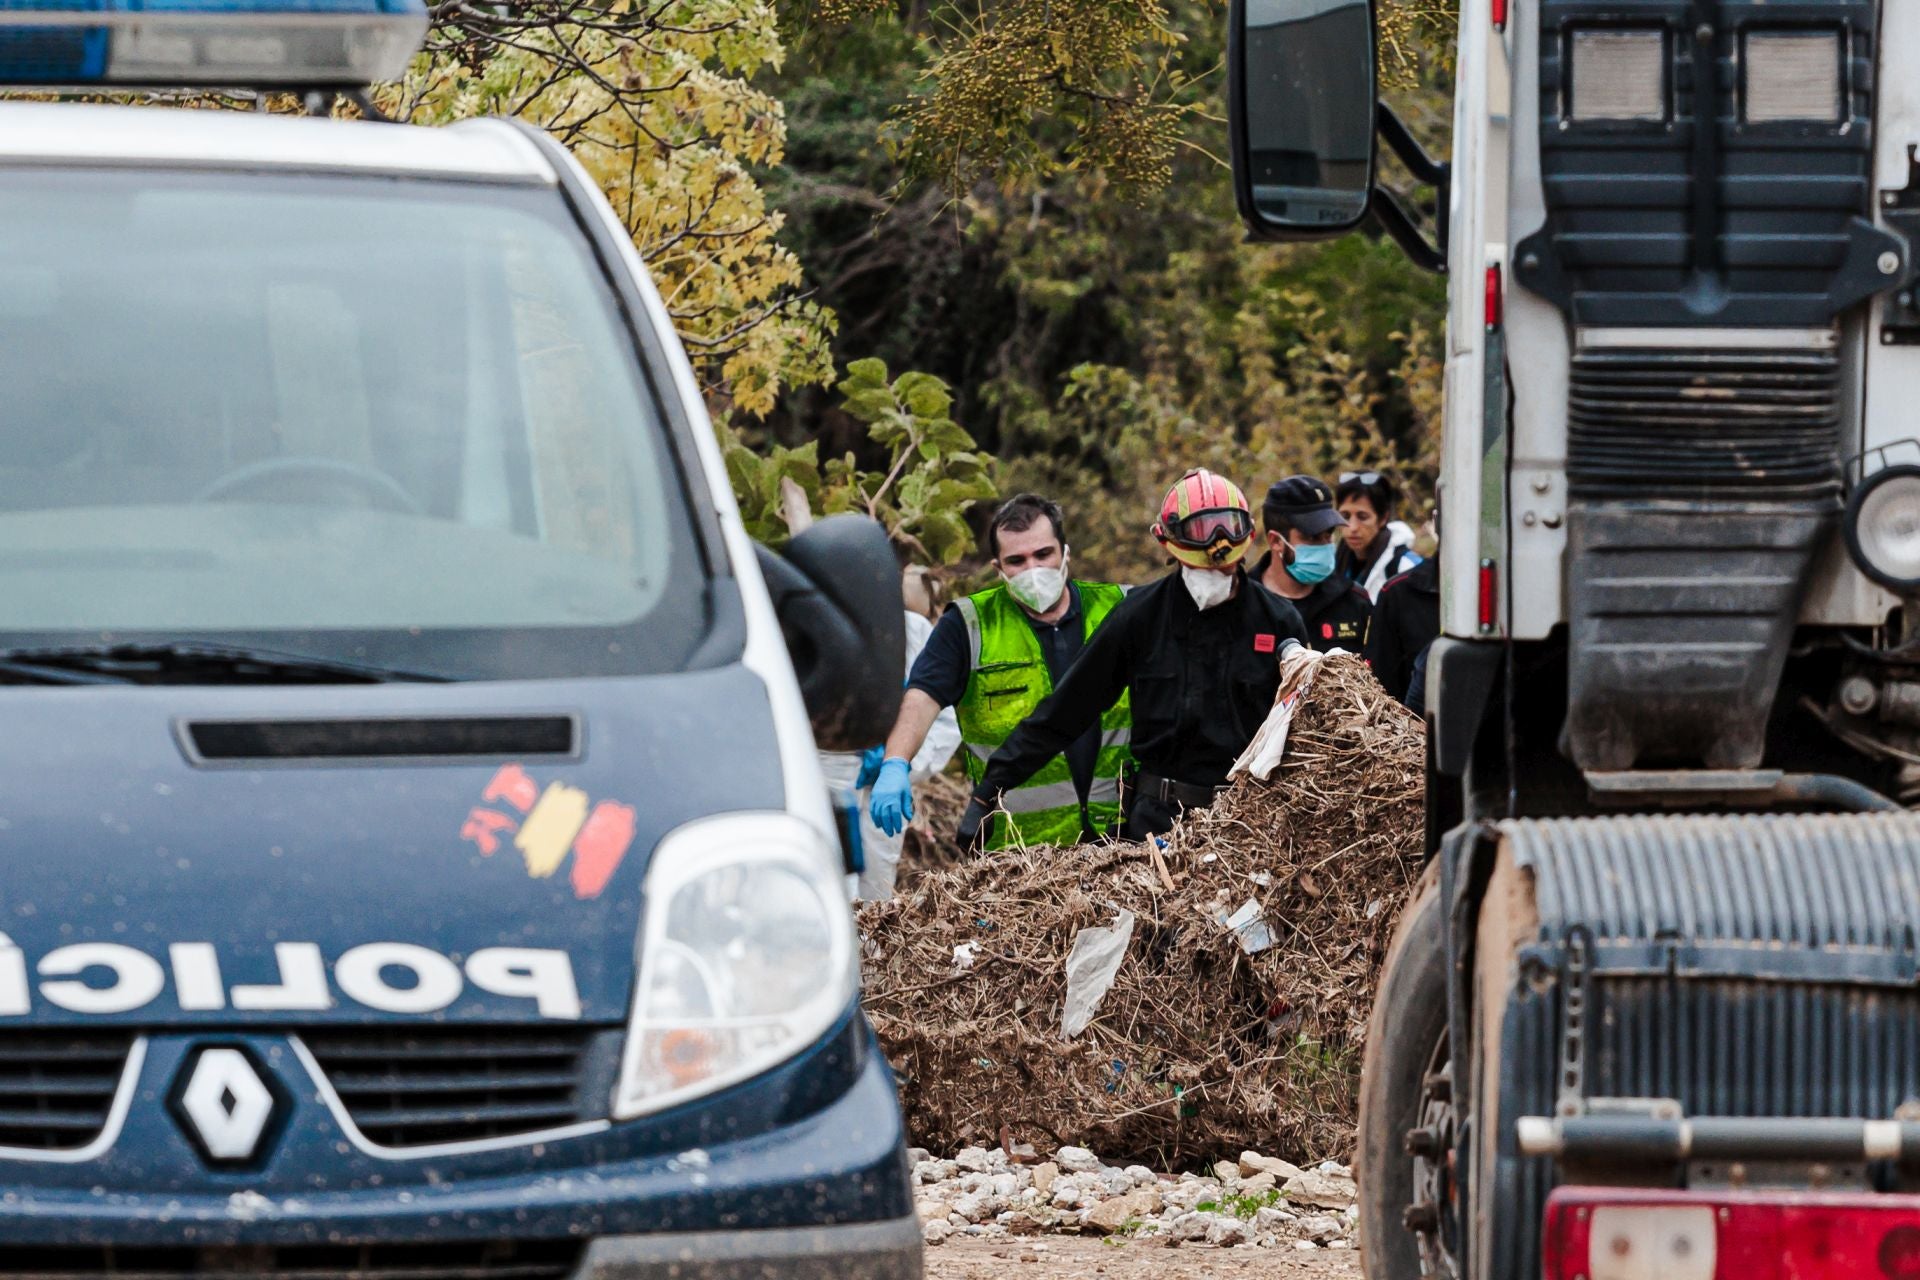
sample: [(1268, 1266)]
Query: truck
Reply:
[(415, 859), (1653, 1008)]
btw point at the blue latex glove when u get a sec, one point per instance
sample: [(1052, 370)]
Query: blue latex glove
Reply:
[(870, 766), (892, 802)]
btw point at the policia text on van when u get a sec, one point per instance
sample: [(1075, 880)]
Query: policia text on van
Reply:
[(377, 898)]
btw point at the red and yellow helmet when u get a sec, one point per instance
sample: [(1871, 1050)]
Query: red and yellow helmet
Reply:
[(1205, 521)]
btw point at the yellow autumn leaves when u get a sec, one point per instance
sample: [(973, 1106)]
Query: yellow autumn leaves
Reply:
[(656, 101)]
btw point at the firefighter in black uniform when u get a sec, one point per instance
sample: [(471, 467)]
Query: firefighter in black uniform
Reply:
[(1198, 651), (1300, 561), (1405, 622)]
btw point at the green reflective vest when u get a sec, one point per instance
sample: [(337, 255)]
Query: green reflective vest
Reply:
[(1009, 680)]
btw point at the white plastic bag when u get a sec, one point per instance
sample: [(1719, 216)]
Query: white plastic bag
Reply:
[(1248, 926), (1092, 966), (1262, 755)]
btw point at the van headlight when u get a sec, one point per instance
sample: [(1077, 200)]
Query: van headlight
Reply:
[(746, 957)]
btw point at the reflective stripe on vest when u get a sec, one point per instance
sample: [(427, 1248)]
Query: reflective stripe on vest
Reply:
[(1007, 680)]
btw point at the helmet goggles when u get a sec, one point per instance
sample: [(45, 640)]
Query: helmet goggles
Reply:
[(1202, 530)]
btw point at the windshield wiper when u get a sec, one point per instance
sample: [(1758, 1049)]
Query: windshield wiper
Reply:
[(187, 662)]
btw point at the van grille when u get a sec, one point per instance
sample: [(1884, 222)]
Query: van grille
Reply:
[(417, 1088), (491, 1260), (57, 1087), (1683, 424)]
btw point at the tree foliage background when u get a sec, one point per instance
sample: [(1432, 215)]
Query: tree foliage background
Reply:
[(1019, 205)]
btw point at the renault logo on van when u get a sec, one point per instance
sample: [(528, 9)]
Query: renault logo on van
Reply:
[(224, 1104)]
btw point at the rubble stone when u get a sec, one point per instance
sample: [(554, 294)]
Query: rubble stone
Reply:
[(1227, 1171), (1043, 1178), (1322, 1190), (1006, 1199), (1320, 1228), (1077, 1160), (1110, 1215), (1252, 1163), (1190, 1226), (973, 1160), (972, 1207)]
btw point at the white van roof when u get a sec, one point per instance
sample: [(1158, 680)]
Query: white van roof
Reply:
[(163, 137)]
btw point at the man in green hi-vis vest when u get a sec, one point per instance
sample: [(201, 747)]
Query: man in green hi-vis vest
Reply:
[(994, 657)]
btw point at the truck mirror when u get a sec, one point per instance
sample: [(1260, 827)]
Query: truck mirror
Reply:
[(1301, 101), (837, 594)]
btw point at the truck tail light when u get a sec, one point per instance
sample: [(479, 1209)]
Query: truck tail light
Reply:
[(1597, 1233), (1499, 15), (1493, 300), (1490, 601)]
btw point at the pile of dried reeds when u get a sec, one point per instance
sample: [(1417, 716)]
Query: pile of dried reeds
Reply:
[(1200, 1049), (930, 844)]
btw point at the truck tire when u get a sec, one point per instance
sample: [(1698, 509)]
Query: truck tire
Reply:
[(1404, 1086)]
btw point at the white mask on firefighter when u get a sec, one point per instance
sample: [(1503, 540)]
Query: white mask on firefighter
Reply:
[(1039, 588), (1208, 587)]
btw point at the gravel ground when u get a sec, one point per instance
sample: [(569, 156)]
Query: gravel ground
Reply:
[(1257, 1201), (1070, 1258)]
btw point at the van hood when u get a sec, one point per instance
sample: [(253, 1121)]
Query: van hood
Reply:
[(142, 883)]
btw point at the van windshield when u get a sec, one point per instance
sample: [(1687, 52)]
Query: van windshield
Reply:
[(395, 423)]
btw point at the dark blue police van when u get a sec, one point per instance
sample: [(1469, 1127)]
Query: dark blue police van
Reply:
[(414, 861)]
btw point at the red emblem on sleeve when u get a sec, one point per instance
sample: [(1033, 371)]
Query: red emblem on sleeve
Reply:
[(1326, 631), (1263, 644)]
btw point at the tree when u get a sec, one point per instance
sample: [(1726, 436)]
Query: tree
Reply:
[(656, 100), (933, 473), (1103, 333)]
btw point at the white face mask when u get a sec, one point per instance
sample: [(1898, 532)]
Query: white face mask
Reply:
[(1208, 587), (1039, 589)]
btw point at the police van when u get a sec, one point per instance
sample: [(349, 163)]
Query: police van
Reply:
[(414, 859)]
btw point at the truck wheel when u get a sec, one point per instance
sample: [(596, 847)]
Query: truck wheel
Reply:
[(1406, 1102)]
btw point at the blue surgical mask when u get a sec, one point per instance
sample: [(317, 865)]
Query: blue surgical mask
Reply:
[(1312, 564)]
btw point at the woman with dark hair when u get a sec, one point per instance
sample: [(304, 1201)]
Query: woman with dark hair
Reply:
[(1376, 546)]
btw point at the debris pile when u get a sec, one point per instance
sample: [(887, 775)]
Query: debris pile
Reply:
[(939, 803), (1254, 1200), (1225, 1001)]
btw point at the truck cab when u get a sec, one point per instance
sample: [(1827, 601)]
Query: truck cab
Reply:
[(416, 856), (1650, 1012)]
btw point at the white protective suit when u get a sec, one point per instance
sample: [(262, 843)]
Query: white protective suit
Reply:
[(843, 769)]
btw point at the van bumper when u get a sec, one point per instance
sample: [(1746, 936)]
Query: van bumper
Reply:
[(852, 1251)]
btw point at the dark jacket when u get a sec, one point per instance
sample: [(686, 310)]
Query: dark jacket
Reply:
[(1335, 612), (1201, 683), (1406, 618)]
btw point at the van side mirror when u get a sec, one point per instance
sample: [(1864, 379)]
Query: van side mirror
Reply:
[(1301, 100), (837, 594)]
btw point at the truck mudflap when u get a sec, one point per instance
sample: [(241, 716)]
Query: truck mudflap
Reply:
[(1710, 968)]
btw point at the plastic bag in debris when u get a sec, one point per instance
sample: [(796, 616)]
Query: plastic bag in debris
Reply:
[(1262, 755), (1091, 967), (1248, 926)]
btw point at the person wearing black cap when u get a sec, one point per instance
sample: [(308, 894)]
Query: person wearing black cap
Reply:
[(1300, 561)]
